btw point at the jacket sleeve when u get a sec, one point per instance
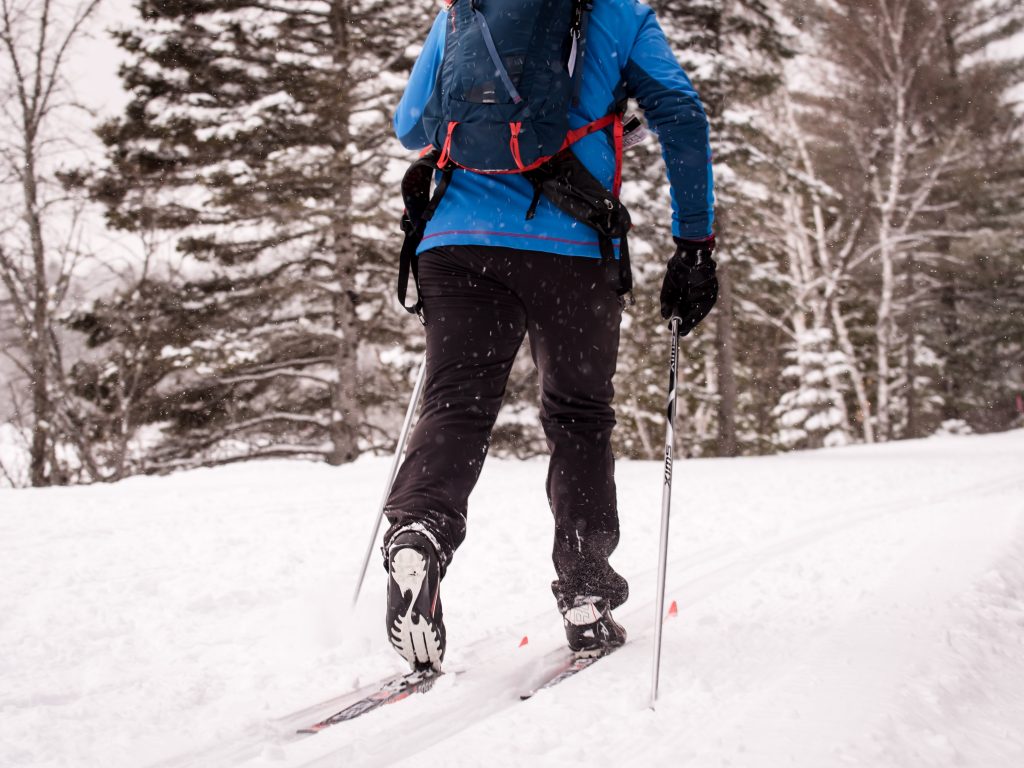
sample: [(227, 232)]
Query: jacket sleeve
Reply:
[(674, 111), (408, 120)]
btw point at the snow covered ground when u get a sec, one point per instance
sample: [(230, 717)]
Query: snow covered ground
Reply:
[(853, 607)]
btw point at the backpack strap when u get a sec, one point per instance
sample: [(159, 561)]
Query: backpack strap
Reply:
[(444, 157), (492, 51), (420, 206), (573, 189), (617, 141), (580, 23)]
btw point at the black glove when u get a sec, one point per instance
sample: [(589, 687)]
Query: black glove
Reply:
[(690, 288)]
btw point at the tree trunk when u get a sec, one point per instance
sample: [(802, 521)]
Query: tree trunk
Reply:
[(343, 428), (952, 390), (42, 417), (883, 345), (888, 203), (726, 355), (860, 386), (829, 310), (910, 361)]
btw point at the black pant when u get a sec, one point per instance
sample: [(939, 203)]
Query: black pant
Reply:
[(479, 302)]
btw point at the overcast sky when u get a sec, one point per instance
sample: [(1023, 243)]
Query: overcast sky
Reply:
[(94, 61), (94, 73)]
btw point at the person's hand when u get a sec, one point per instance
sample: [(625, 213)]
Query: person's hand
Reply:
[(690, 287)]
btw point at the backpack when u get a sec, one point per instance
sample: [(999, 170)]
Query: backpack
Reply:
[(510, 72)]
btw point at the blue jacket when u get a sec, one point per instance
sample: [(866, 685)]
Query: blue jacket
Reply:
[(627, 56)]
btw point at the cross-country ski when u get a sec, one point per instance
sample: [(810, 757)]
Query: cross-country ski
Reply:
[(388, 692), (568, 667)]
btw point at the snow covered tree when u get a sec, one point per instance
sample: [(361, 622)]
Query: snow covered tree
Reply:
[(811, 415), (260, 135), (822, 231), (901, 131), (967, 301), (733, 50)]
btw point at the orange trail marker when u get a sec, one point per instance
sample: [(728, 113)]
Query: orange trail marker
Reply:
[(673, 610)]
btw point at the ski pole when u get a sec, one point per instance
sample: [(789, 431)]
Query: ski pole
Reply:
[(666, 507), (414, 401)]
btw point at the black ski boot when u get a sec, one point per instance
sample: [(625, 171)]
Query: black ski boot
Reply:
[(414, 621), (589, 626)]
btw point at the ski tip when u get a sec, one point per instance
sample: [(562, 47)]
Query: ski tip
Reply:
[(524, 641)]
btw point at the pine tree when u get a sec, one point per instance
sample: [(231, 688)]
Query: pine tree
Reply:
[(140, 380), (810, 414), (260, 135), (968, 301), (733, 51)]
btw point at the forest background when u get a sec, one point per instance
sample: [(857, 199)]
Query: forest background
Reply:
[(198, 253)]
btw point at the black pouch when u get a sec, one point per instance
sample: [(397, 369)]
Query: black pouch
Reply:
[(571, 188)]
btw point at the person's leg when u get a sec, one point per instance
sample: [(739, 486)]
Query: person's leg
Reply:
[(474, 328), (573, 320)]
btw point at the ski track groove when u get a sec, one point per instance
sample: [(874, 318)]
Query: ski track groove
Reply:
[(480, 698), (739, 561), (814, 604)]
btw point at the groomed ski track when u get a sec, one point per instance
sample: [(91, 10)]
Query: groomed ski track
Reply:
[(399, 734), (854, 607)]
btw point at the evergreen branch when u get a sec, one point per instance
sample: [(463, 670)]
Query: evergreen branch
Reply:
[(293, 363), (286, 11), (297, 418), (241, 378), (262, 453)]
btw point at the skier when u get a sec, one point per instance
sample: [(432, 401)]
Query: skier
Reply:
[(538, 249)]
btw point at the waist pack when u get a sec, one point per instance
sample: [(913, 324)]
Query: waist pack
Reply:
[(510, 72)]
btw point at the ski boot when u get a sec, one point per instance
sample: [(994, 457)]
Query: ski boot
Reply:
[(589, 626), (414, 620)]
